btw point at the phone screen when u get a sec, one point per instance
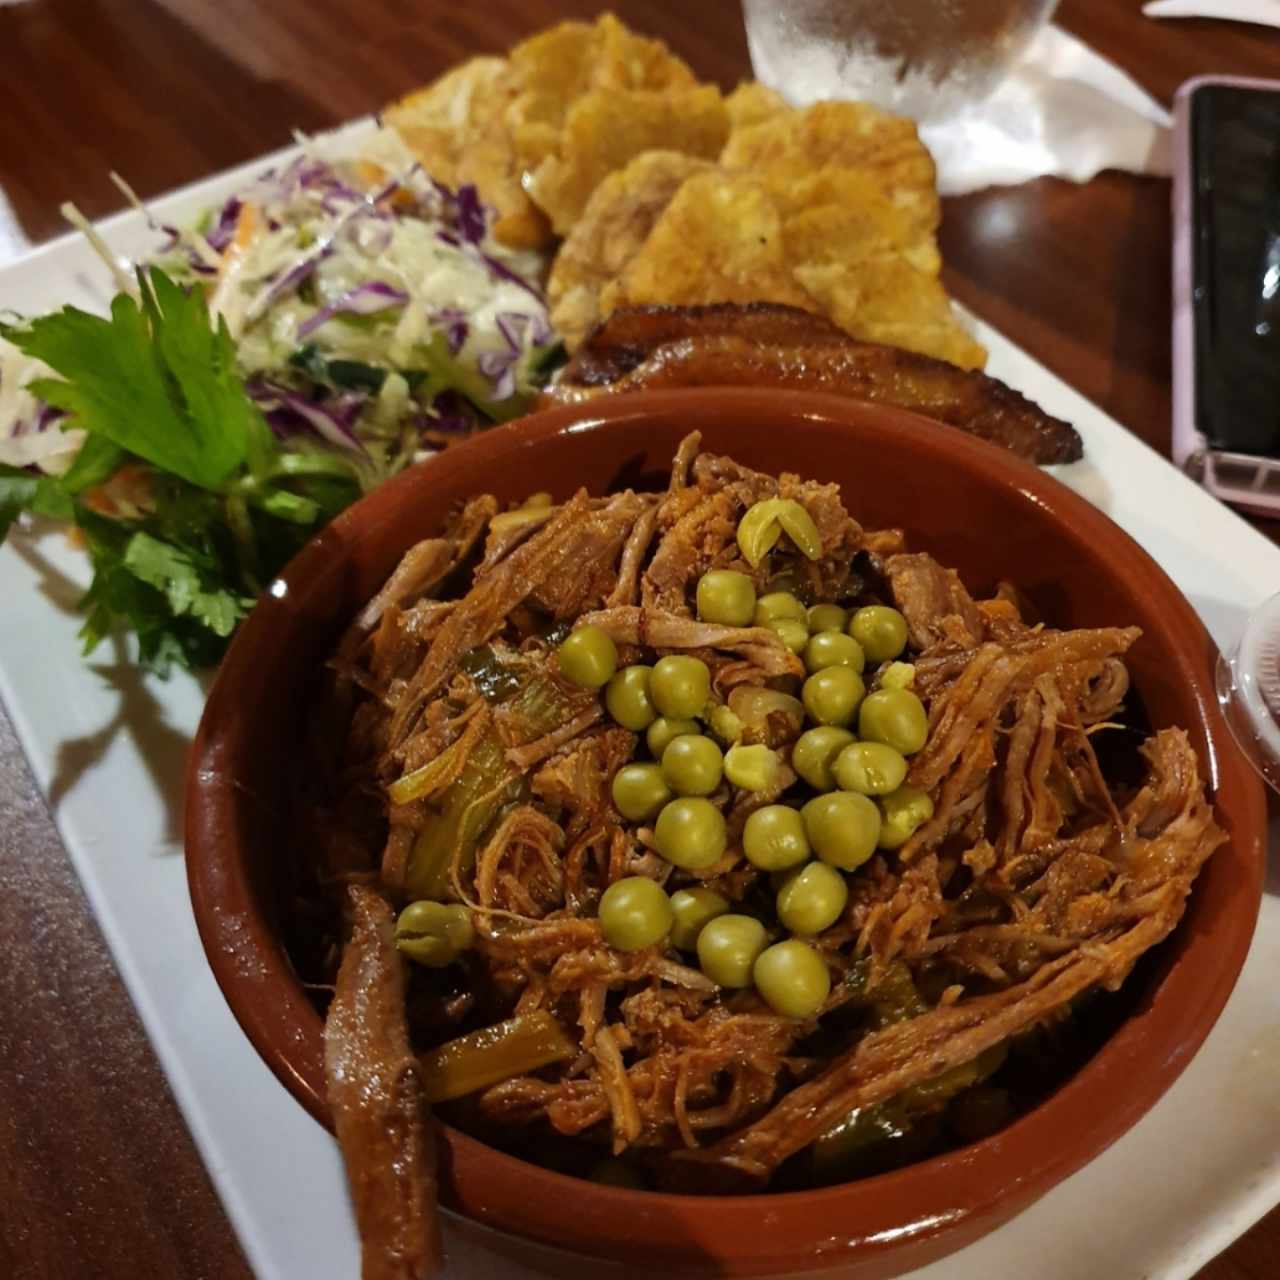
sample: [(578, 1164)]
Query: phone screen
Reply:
[(1235, 146)]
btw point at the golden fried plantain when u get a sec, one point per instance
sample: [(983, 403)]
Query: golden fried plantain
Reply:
[(845, 215), (593, 96), (605, 129), (616, 222), (455, 128), (790, 146), (751, 102), (719, 240), (885, 299), (496, 122)]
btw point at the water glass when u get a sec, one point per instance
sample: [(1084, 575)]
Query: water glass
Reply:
[(926, 59)]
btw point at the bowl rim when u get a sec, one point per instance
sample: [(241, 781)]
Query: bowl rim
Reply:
[(499, 1189)]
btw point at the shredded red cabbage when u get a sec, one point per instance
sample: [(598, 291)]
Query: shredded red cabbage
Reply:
[(219, 235), (470, 213), (500, 368), (451, 414), (364, 300), (455, 325), (287, 413), (301, 269), (497, 269), (46, 417)]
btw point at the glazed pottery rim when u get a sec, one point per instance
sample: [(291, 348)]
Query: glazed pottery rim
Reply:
[(215, 870)]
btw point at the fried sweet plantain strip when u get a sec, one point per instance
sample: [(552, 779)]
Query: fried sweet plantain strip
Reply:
[(383, 1125), (764, 344)]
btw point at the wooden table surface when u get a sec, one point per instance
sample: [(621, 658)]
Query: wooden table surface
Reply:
[(98, 1175)]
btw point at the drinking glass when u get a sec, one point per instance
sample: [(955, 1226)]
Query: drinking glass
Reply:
[(926, 59)]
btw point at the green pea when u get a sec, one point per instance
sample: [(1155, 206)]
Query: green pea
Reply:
[(774, 838), (833, 649), (725, 724), (795, 635), (897, 675), (799, 526), (640, 791), (895, 717), (778, 604), (815, 753), (690, 833), (434, 934), (627, 698), (792, 978), (726, 597), (827, 617), (870, 768), (812, 898), (753, 768), (764, 522), (635, 913), (692, 765), (832, 695), (693, 909), (680, 686), (905, 811), (728, 947), (758, 531), (881, 631), (588, 657), (843, 828), (664, 729), (767, 714)]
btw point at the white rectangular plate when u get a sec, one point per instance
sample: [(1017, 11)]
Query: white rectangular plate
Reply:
[(1214, 1138)]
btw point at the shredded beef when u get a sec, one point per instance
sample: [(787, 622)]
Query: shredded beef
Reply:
[(1036, 878)]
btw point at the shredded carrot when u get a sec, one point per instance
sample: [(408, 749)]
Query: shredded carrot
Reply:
[(233, 254), (246, 225), (375, 176), (128, 495)]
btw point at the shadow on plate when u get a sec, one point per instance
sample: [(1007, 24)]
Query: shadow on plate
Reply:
[(139, 711)]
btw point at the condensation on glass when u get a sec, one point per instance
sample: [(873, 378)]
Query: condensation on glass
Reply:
[(1249, 690), (921, 58)]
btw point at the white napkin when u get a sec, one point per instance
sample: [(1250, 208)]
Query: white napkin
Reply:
[(1264, 12), (1062, 110)]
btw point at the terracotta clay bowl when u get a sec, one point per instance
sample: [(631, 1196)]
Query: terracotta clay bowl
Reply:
[(972, 505)]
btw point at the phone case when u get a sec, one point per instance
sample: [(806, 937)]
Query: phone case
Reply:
[(1244, 480)]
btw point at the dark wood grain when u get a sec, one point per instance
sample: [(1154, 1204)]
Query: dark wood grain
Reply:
[(98, 1176)]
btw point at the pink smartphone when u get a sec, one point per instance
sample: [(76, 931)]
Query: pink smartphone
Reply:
[(1226, 288)]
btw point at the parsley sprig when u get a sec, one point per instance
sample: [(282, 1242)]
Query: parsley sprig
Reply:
[(156, 388)]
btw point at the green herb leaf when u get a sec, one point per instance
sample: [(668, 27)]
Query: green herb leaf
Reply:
[(157, 380), (15, 498), (225, 507), (22, 490), (174, 572), (97, 461), (288, 506), (117, 599)]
